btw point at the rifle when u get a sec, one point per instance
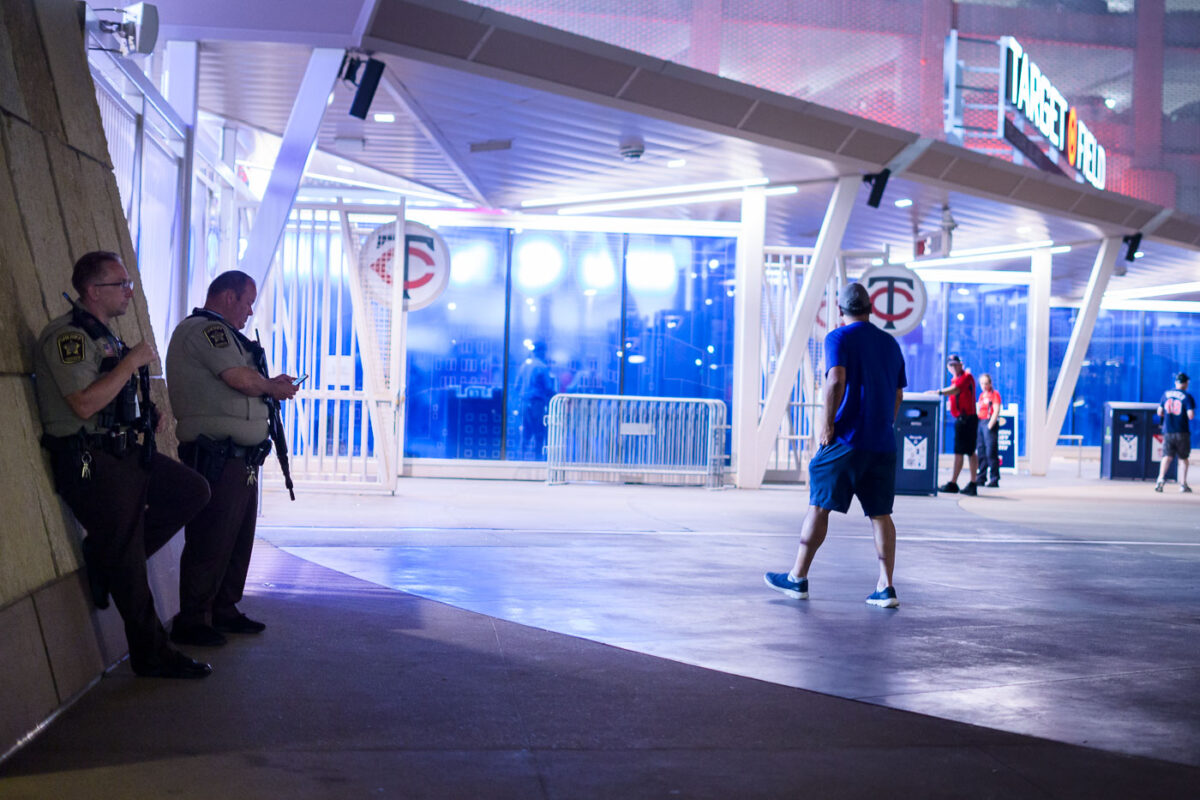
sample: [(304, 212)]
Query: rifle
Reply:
[(148, 420), (274, 421)]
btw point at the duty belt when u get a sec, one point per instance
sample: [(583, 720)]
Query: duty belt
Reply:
[(116, 443), (254, 455)]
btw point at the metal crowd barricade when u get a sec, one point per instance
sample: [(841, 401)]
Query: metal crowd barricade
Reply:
[(638, 439)]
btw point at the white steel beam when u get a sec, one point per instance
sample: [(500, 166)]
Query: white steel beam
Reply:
[(429, 129), (299, 136), (1037, 362), (1081, 337), (376, 396), (747, 336), (829, 244)]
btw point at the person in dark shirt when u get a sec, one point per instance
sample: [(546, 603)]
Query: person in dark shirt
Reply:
[(1176, 407), (864, 385)]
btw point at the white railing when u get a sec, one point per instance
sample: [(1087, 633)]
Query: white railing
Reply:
[(315, 322), (637, 439)]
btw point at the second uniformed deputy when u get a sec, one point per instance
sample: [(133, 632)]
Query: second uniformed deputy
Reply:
[(218, 395), (130, 499)]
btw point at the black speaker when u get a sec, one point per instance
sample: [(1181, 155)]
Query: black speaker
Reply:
[(878, 183), (367, 84), (1132, 243)]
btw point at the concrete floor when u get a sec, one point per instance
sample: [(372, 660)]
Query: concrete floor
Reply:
[(1062, 607)]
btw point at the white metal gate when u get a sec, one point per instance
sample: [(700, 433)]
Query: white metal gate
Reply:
[(643, 439), (317, 320)]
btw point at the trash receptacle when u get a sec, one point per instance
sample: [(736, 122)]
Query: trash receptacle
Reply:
[(1125, 450), (917, 447)]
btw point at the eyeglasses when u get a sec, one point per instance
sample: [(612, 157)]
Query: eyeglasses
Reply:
[(126, 285)]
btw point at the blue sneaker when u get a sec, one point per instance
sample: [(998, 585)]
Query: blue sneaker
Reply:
[(780, 582), (884, 598)]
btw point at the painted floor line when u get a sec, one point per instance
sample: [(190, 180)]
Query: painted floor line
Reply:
[(918, 539)]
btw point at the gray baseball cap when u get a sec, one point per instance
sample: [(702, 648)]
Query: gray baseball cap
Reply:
[(853, 299)]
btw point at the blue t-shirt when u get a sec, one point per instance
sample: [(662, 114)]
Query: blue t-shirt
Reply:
[(874, 371), (1175, 405)]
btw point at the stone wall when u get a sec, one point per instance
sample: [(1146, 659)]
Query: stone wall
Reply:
[(58, 200)]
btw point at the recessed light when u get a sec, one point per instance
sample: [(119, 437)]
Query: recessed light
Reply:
[(1110, 102), (904, 202), (344, 168), (676, 163), (384, 116)]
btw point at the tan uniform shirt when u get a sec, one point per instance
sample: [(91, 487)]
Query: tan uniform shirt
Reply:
[(200, 350), (67, 360)]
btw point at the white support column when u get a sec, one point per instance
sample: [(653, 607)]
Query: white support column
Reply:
[(829, 245), (227, 257), (183, 70), (398, 368), (1081, 337), (1037, 362), (298, 139), (747, 335)]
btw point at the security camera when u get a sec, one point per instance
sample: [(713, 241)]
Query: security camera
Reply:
[(631, 148)]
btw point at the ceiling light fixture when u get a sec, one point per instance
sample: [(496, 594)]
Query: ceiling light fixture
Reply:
[(903, 202), (1174, 306), (383, 116), (1162, 290), (653, 192), (676, 163), (1004, 248), (410, 192), (992, 256), (659, 202)]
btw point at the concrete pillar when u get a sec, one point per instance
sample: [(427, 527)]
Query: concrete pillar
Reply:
[(1037, 364), (747, 336)]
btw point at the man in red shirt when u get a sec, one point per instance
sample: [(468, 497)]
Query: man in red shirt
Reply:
[(961, 392), (987, 448)]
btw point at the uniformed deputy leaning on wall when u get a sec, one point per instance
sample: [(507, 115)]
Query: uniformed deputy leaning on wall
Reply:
[(100, 434)]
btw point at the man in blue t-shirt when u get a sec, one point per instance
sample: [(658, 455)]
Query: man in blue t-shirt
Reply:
[(1176, 407), (864, 385)]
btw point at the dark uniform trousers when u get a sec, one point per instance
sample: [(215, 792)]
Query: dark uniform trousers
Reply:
[(217, 546), (131, 511), (987, 450)]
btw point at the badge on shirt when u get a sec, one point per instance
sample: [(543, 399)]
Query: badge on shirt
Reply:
[(217, 336), (70, 347)]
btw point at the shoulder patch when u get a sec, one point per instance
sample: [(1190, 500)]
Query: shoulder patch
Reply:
[(217, 336), (70, 347)]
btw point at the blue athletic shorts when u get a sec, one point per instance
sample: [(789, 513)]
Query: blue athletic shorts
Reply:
[(838, 472)]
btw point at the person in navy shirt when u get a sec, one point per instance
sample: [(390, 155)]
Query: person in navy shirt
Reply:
[(864, 384), (1176, 407)]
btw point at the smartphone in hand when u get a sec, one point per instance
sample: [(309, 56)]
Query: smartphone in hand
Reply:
[(300, 380)]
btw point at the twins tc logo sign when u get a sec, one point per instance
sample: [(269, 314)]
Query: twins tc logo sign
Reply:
[(897, 297), (426, 269)]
